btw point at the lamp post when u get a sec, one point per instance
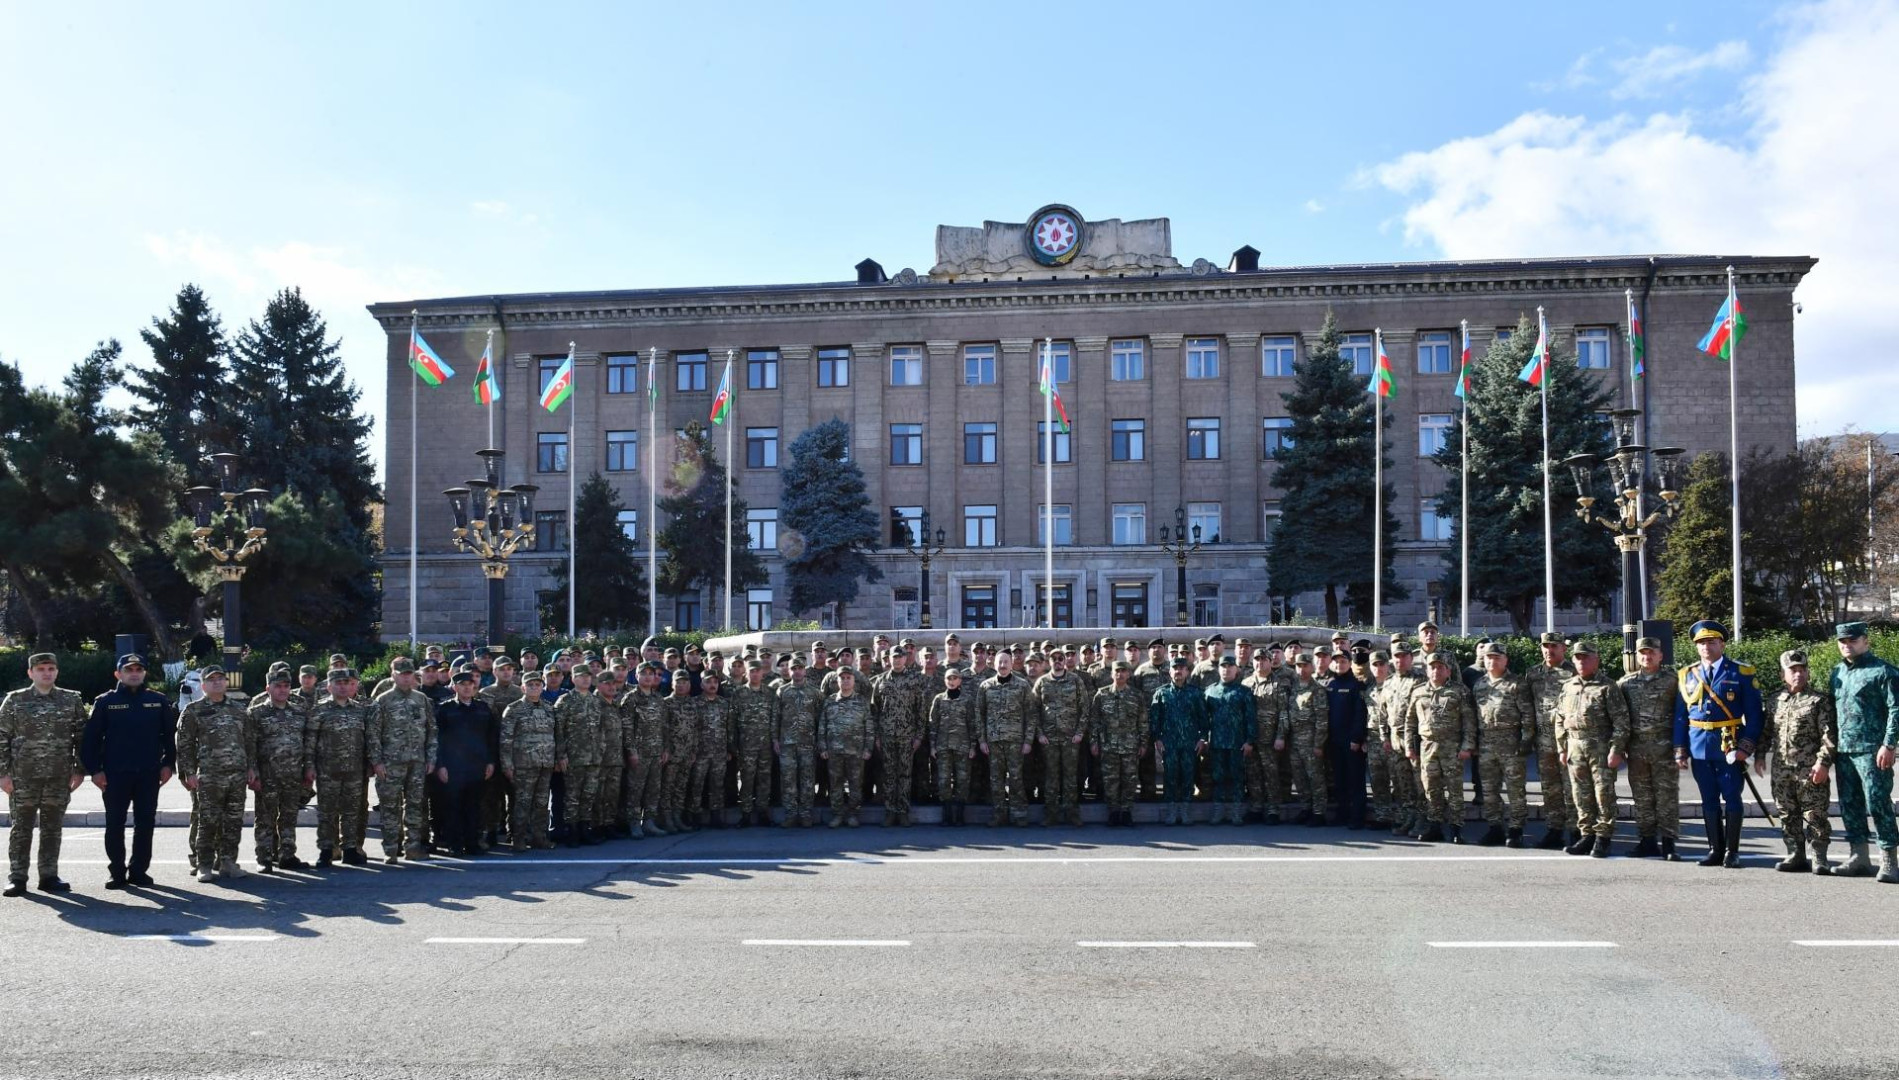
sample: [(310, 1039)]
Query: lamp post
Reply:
[(1180, 548), (228, 525), (921, 549), (493, 522), (1628, 526)]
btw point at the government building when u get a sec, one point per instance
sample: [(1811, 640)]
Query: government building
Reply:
[(1174, 374)]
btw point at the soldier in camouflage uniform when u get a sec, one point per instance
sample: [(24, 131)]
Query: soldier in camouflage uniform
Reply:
[(578, 723), (338, 737), (1003, 705), (1804, 733), (705, 788), (1654, 781), (644, 742), (900, 700), (799, 705), (1594, 717), (844, 734), (1439, 733), (954, 733), (1177, 721), (402, 751), (283, 772), (1546, 684), (679, 721), (1395, 697), (1269, 714), (754, 714), (40, 730), (1506, 730), (529, 731), (1062, 702), (1232, 722), (1117, 720), (217, 759), (605, 815), (1303, 736)]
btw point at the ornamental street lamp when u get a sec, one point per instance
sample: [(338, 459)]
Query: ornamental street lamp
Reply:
[(920, 548), (1630, 525), (228, 525), (1180, 548), (493, 522)]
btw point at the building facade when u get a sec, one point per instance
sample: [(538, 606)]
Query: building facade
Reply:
[(1174, 375)]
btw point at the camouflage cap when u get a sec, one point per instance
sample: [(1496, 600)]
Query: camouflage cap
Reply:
[(342, 674), (1243, 641), (953, 673), (534, 676), (847, 673), (1121, 665), (1301, 657), (1551, 638), (1426, 625), (1380, 656), (1229, 660), (337, 658), (39, 658), (797, 662), (906, 643), (1493, 648), (681, 677), (1322, 651), (1793, 658), (1340, 635), (1648, 643), (672, 652), (308, 669), (952, 638), (401, 663), (278, 676), (1401, 646), (1432, 659), (211, 671), (1585, 648), (1199, 643), (754, 665), (1038, 657), (504, 660)]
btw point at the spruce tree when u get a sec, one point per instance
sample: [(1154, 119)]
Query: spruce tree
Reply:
[(1322, 540), (1505, 415), (694, 504), (827, 520), (612, 593), (183, 398), (1697, 556)]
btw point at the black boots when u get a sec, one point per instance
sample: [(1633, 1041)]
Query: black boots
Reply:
[(1582, 845), (1493, 837), (1513, 838), (1646, 846), (1717, 844), (1552, 839), (1668, 850), (1733, 839), (1601, 850)]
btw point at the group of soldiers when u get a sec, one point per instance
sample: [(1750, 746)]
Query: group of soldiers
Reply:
[(486, 750)]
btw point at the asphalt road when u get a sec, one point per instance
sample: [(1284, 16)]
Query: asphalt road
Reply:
[(971, 952)]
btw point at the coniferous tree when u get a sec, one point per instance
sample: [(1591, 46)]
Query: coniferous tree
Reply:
[(1697, 555), (184, 396), (827, 520), (694, 504), (1322, 540), (612, 593)]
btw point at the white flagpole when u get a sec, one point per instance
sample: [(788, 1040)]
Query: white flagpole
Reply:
[(652, 493), (1641, 436), (1734, 442), (573, 548), (1048, 478), (1463, 523), (415, 318), (1549, 541), (488, 351), (731, 421), (1378, 484)]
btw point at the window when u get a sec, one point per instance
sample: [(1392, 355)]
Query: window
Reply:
[(629, 525), (1358, 349), (1129, 603), (1434, 433), (1592, 348), (906, 444), (1127, 440), (979, 607), (1275, 433), (550, 530), (1268, 519), (1431, 524), (548, 366), (761, 448), (686, 613), (1505, 333), (1203, 438), (979, 526), (550, 451), (1206, 517), (762, 525), (1130, 523), (906, 525), (761, 369), (689, 372), (1276, 356), (1203, 358), (979, 365), (834, 367), (623, 373), (1063, 449), (1061, 358), (1064, 524), (1434, 353), (979, 444), (1206, 605), (758, 609), (906, 365), (1128, 360), (623, 451)]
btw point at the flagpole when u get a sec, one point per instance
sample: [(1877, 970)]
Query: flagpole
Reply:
[(1048, 479), (1641, 437), (1549, 541), (415, 377), (1378, 484), (573, 548), (1734, 443), (1463, 523), (488, 351), (652, 495), (731, 420)]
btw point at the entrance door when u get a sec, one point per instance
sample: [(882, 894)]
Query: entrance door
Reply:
[(1129, 600), (979, 607)]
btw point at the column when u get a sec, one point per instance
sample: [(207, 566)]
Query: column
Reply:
[(1089, 409)]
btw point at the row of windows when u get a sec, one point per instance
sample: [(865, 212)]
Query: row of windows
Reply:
[(1127, 361)]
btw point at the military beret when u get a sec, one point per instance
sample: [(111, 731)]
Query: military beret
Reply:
[(1121, 665), (1155, 643), (131, 659), (1586, 648), (281, 675), (342, 674), (1648, 643), (1494, 648), (1793, 658), (1181, 662), (534, 677), (308, 669), (464, 677), (1426, 625), (401, 663), (1551, 638), (1380, 656), (649, 643), (338, 658), (1849, 630), (1221, 638), (39, 658), (210, 671)]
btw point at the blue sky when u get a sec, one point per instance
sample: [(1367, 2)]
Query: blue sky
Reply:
[(383, 152)]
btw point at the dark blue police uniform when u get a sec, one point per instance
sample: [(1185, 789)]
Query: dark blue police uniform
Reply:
[(131, 735)]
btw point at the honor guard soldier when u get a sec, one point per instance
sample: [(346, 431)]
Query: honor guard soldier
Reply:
[(1717, 724)]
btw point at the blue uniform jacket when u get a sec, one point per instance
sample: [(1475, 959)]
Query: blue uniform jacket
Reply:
[(130, 731), (1714, 702), (1345, 710)]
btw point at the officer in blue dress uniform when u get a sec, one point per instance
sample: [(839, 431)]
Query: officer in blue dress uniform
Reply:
[(1717, 721)]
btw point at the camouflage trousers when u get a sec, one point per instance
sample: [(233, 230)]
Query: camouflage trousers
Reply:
[(642, 790), (1178, 765), (705, 787), (1865, 788), (1504, 775), (952, 775), (497, 802), (1655, 785), (1378, 775), (1554, 776), (797, 780), (754, 769), (340, 811), (673, 778), (1308, 770), (1407, 794), (1441, 775), (847, 782), (1228, 766), (606, 803), (583, 792), (1262, 779), (1061, 783), (527, 816), (220, 813), (1803, 807), (37, 802), (1005, 779), (274, 827), (1591, 785), (400, 807), (1120, 779)]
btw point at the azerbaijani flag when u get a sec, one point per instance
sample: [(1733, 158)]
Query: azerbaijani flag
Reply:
[(1047, 386), (560, 387), (487, 389), (426, 364), (652, 386), (722, 401), (1382, 383), (1635, 339), (1532, 372), (1463, 367), (1729, 324)]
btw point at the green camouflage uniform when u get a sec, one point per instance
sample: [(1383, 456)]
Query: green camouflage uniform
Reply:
[(754, 714), (953, 736), (1269, 717), (1394, 701), (606, 801), (1177, 720), (1062, 702), (39, 750), (844, 732), (679, 720), (1506, 730), (705, 789), (1003, 707), (217, 747), (1595, 720), (338, 745), (578, 720), (1546, 685), (529, 733), (1117, 719), (898, 702), (1804, 732), (1232, 722), (282, 762), (1307, 720), (644, 737), (1654, 782), (1440, 722), (798, 709), (402, 741)]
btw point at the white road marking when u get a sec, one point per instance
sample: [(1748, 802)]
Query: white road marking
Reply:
[(841, 942), (1166, 944), (1868, 943), (505, 941), (938, 860), (204, 938), (1521, 944)]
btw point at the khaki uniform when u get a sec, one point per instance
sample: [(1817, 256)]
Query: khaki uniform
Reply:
[(1594, 721), (39, 750), (1440, 722)]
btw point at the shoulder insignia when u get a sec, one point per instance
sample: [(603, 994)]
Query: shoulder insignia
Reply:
[(1745, 669)]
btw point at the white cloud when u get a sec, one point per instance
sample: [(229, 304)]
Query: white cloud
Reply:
[(1314, 206), (489, 207), (1812, 176), (1576, 77), (1666, 66)]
